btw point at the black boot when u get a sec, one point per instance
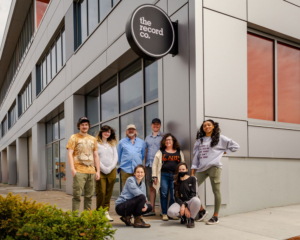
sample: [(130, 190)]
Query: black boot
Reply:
[(191, 223), (183, 219)]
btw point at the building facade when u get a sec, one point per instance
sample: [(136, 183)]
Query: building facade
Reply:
[(238, 63)]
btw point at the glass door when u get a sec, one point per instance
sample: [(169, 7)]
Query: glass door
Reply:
[(49, 168)]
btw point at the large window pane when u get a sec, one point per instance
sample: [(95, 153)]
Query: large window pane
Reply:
[(151, 80), (92, 106), (62, 163), (55, 128), (104, 8), (135, 118), (93, 15), (94, 131), (49, 132), (58, 53), (53, 59), (151, 112), (48, 68), (63, 35), (109, 99), (83, 20), (288, 69), (131, 86), (44, 73), (49, 167), (55, 155), (115, 125), (260, 78), (61, 125)]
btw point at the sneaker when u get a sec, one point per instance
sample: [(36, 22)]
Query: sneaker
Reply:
[(201, 215), (183, 220), (149, 214), (173, 218), (212, 221), (165, 217), (108, 217), (191, 223)]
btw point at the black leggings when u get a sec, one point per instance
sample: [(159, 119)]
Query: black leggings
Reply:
[(133, 207)]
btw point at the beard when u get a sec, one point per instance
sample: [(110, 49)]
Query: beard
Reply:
[(131, 135)]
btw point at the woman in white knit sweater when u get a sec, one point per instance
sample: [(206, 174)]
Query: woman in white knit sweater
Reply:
[(107, 151)]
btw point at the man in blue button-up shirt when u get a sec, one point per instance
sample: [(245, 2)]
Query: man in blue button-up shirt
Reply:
[(152, 146), (131, 152)]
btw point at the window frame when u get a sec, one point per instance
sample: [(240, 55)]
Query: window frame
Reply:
[(275, 123)]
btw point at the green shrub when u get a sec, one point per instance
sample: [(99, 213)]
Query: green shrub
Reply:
[(49, 222), (12, 211)]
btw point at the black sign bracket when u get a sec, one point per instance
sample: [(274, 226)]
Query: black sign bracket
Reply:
[(174, 50)]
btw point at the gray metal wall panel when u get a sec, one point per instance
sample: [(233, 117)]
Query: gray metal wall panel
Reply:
[(90, 50), (237, 131), (163, 4), (12, 165), (295, 2), (39, 157), (117, 49), (4, 166), (273, 143), (22, 162), (69, 31), (176, 87), (225, 66), (235, 8), (284, 17), (174, 5), (74, 109), (118, 17)]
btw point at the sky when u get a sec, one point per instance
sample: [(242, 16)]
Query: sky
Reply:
[(4, 9)]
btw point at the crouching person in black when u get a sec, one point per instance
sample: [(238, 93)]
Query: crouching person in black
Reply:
[(187, 204), (132, 200)]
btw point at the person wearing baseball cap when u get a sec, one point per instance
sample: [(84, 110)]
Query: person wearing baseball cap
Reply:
[(131, 152), (152, 146), (82, 155)]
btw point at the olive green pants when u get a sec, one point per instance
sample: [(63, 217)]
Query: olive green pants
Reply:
[(214, 173), (104, 188), (83, 181), (124, 177)]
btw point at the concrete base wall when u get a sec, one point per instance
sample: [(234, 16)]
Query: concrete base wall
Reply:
[(256, 184)]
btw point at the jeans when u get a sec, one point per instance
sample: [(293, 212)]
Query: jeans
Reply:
[(166, 185)]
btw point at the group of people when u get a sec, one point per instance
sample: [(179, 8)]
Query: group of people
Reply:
[(165, 172)]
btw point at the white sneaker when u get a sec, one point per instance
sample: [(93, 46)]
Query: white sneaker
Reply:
[(108, 217)]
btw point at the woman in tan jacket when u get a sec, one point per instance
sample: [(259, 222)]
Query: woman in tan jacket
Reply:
[(163, 170)]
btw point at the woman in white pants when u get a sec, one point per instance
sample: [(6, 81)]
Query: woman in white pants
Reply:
[(187, 203)]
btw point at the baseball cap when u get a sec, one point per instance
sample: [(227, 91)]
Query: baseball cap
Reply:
[(83, 119), (131, 126), (156, 120)]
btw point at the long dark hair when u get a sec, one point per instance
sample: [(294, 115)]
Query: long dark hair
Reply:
[(176, 145), (112, 140), (215, 136), (177, 178)]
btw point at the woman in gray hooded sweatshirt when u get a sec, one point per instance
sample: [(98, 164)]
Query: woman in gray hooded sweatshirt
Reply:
[(208, 151)]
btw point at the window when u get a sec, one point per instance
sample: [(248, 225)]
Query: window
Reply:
[(260, 78), (24, 98), (51, 63), (12, 115), (89, 13), (273, 77), (92, 106), (109, 99), (4, 127), (21, 48), (56, 152)]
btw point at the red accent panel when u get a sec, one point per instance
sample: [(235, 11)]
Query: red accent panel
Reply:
[(41, 6), (260, 78), (288, 70)]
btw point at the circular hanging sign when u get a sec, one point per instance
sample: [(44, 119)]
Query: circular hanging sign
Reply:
[(150, 32)]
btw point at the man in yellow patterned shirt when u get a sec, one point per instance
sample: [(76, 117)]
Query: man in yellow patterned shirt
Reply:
[(82, 154)]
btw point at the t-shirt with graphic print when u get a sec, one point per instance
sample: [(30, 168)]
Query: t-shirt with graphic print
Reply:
[(170, 161), (83, 155)]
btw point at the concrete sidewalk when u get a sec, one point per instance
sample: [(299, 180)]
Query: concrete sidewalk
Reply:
[(271, 223)]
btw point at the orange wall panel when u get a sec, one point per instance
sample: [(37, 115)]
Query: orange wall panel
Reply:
[(41, 6), (288, 72), (260, 78)]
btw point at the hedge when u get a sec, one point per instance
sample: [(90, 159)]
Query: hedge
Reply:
[(26, 219)]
